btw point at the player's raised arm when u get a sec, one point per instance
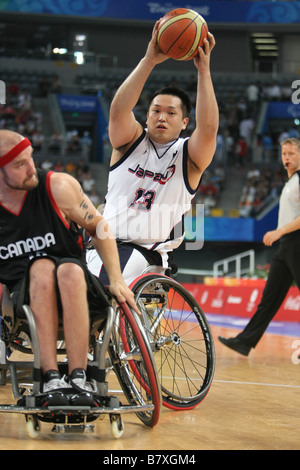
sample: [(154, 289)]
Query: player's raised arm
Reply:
[(207, 113), (123, 127)]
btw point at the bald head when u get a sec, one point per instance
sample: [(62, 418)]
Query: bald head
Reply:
[(8, 139), (19, 177)]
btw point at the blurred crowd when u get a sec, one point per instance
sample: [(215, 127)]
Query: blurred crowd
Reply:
[(18, 114), (261, 188), (79, 170)]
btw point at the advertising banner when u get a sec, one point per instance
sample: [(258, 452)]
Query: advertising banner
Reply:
[(242, 300), (78, 103), (212, 10)]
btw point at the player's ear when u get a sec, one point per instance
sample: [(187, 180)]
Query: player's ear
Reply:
[(185, 123)]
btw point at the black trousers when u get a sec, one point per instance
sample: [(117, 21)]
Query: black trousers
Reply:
[(285, 268)]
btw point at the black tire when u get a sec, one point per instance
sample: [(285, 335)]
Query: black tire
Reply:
[(180, 338), (134, 365)]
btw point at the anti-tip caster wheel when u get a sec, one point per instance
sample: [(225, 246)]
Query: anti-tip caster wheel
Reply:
[(117, 426), (32, 427)]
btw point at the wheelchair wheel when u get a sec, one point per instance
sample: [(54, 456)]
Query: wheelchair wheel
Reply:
[(180, 339), (130, 352)]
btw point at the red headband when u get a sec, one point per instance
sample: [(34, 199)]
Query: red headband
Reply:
[(14, 152)]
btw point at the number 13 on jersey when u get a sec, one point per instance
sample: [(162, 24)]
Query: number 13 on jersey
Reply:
[(143, 200)]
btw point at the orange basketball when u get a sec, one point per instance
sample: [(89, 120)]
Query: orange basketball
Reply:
[(180, 33)]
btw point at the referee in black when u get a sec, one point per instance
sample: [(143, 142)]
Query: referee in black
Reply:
[(285, 266)]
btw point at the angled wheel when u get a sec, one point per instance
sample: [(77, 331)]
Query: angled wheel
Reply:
[(180, 339), (117, 426), (32, 426), (134, 365)]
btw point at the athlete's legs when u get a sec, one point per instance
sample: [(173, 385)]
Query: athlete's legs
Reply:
[(277, 286), (71, 283), (43, 303), (73, 293), (291, 251)]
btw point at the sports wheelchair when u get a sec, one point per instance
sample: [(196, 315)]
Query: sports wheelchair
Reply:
[(180, 338), (119, 348)]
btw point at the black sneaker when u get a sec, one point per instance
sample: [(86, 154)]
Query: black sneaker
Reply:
[(78, 381), (53, 381), (86, 392), (54, 390), (235, 344)]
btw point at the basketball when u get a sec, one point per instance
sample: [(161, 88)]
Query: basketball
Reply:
[(180, 33)]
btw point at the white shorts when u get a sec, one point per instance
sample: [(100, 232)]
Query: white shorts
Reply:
[(133, 264)]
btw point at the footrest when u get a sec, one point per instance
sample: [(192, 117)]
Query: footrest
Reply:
[(73, 428)]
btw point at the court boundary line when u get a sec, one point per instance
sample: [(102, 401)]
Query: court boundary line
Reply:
[(262, 384), (237, 382)]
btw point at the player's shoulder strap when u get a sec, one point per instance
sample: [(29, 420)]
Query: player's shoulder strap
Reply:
[(128, 152)]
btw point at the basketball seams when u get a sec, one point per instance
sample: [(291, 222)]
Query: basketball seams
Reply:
[(195, 19), (197, 40), (195, 43), (181, 34)]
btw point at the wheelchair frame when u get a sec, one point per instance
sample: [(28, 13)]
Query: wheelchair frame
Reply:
[(123, 346)]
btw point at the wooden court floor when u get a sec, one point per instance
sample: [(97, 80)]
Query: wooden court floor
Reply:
[(253, 404)]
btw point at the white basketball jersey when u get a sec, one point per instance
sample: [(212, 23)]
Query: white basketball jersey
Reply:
[(289, 207), (148, 195)]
